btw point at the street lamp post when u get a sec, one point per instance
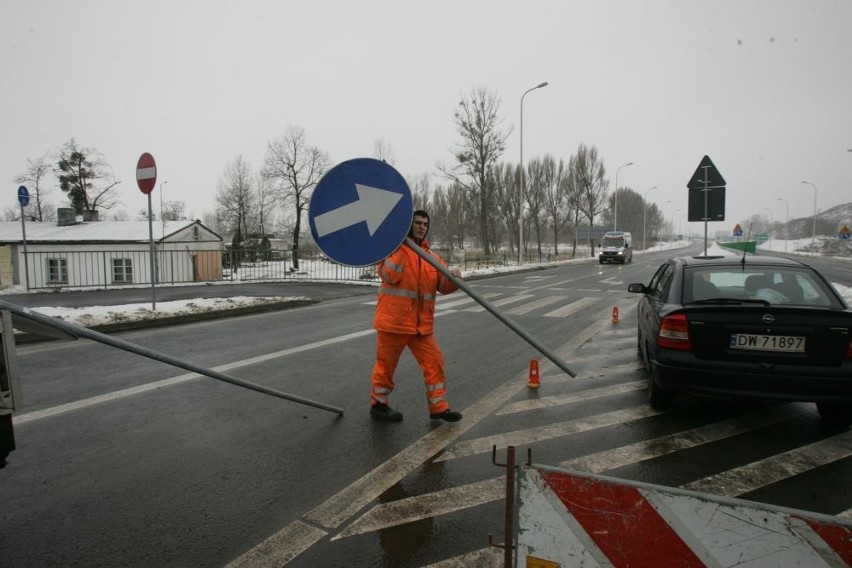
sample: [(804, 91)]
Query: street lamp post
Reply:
[(615, 205), (645, 214), (521, 192), (673, 225), (813, 237), (771, 222), (786, 222)]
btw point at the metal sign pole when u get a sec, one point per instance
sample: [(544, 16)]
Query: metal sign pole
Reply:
[(151, 239), (488, 306), (26, 260), (76, 331), (706, 215)]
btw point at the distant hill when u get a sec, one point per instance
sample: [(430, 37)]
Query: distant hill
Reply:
[(828, 222)]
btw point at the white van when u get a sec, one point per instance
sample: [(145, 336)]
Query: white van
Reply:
[(616, 246)]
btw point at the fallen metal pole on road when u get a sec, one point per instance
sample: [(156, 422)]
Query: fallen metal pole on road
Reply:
[(488, 306), (75, 331)]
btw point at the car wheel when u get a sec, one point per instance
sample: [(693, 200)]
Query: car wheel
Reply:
[(835, 414), (658, 397)]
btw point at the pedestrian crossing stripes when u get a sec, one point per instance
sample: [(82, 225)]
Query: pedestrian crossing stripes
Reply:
[(609, 368), (571, 308), (732, 483), (528, 303)]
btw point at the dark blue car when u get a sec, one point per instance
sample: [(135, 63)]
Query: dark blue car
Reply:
[(761, 327)]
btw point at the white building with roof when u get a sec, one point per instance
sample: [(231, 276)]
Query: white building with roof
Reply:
[(106, 253)]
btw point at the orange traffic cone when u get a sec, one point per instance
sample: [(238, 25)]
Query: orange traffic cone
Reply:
[(534, 383), (615, 314)]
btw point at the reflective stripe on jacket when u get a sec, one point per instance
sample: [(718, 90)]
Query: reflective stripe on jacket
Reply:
[(407, 293)]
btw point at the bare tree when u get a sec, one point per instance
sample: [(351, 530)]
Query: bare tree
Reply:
[(421, 189), (630, 211), (506, 182), (459, 211), (235, 196), (86, 177), (537, 178), (482, 143), (265, 203), (34, 180), (174, 211), (295, 168), (383, 151), (555, 205), (574, 198), (590, 171)]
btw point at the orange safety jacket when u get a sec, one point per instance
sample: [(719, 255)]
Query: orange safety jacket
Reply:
[(407, 293)]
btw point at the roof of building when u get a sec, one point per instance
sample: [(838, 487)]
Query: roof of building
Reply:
[(99, 231)]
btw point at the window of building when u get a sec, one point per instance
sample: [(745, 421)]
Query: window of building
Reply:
[(122, 271), (57, 271)]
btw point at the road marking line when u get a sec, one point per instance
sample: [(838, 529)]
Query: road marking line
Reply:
[(758, 474), (503, 302), (436, 503), (570, 398), (647, 449), (490, 556), (280, 548), (336, 509), (526, 308), (432, 504), (571, 308), (442, 305), (116, 395), (547, 432)]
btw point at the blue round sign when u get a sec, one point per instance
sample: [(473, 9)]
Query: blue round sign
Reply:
[(23, 196), (360, 212)]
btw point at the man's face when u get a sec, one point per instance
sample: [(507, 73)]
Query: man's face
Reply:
[(419, 227)]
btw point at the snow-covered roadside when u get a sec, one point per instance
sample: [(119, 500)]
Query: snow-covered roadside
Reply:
[(101, 315)]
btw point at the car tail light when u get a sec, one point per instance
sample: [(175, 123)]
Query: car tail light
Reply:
[(674, 333)]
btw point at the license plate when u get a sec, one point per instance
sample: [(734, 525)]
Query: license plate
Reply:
[(755, 342)]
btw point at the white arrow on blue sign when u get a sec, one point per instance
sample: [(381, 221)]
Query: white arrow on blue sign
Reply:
[(23, 196), (360, 212)]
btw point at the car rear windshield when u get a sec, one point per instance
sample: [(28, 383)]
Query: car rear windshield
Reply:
[(793, 285)]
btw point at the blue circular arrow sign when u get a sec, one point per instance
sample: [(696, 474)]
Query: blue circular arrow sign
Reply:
[(23, 196), (360, 212)]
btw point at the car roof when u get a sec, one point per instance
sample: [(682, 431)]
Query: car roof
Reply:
[(749, 260)]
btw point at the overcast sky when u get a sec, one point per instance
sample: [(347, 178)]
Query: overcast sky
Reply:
[(762, 87)]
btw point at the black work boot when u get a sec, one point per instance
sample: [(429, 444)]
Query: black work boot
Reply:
[(385, 413), (447, 416)]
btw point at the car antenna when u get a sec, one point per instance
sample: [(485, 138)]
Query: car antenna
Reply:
[(745, 248)]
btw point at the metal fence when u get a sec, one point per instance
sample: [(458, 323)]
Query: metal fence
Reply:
[(127, 268)]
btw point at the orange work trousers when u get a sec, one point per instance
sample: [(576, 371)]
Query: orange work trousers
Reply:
[(389, 347)]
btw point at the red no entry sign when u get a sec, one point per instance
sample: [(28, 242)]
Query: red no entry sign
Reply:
[(146, 173)]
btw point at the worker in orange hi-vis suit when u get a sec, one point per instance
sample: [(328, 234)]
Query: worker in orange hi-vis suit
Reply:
[(405, 317)]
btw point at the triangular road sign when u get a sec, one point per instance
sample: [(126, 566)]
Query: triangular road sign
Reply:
[(706, 176)]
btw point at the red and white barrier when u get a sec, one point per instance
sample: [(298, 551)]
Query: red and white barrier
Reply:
[(568, 518)]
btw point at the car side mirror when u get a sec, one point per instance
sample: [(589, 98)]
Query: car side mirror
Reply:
[(637, 288)]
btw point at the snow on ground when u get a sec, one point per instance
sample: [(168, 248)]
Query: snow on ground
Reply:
[(99, 315)]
